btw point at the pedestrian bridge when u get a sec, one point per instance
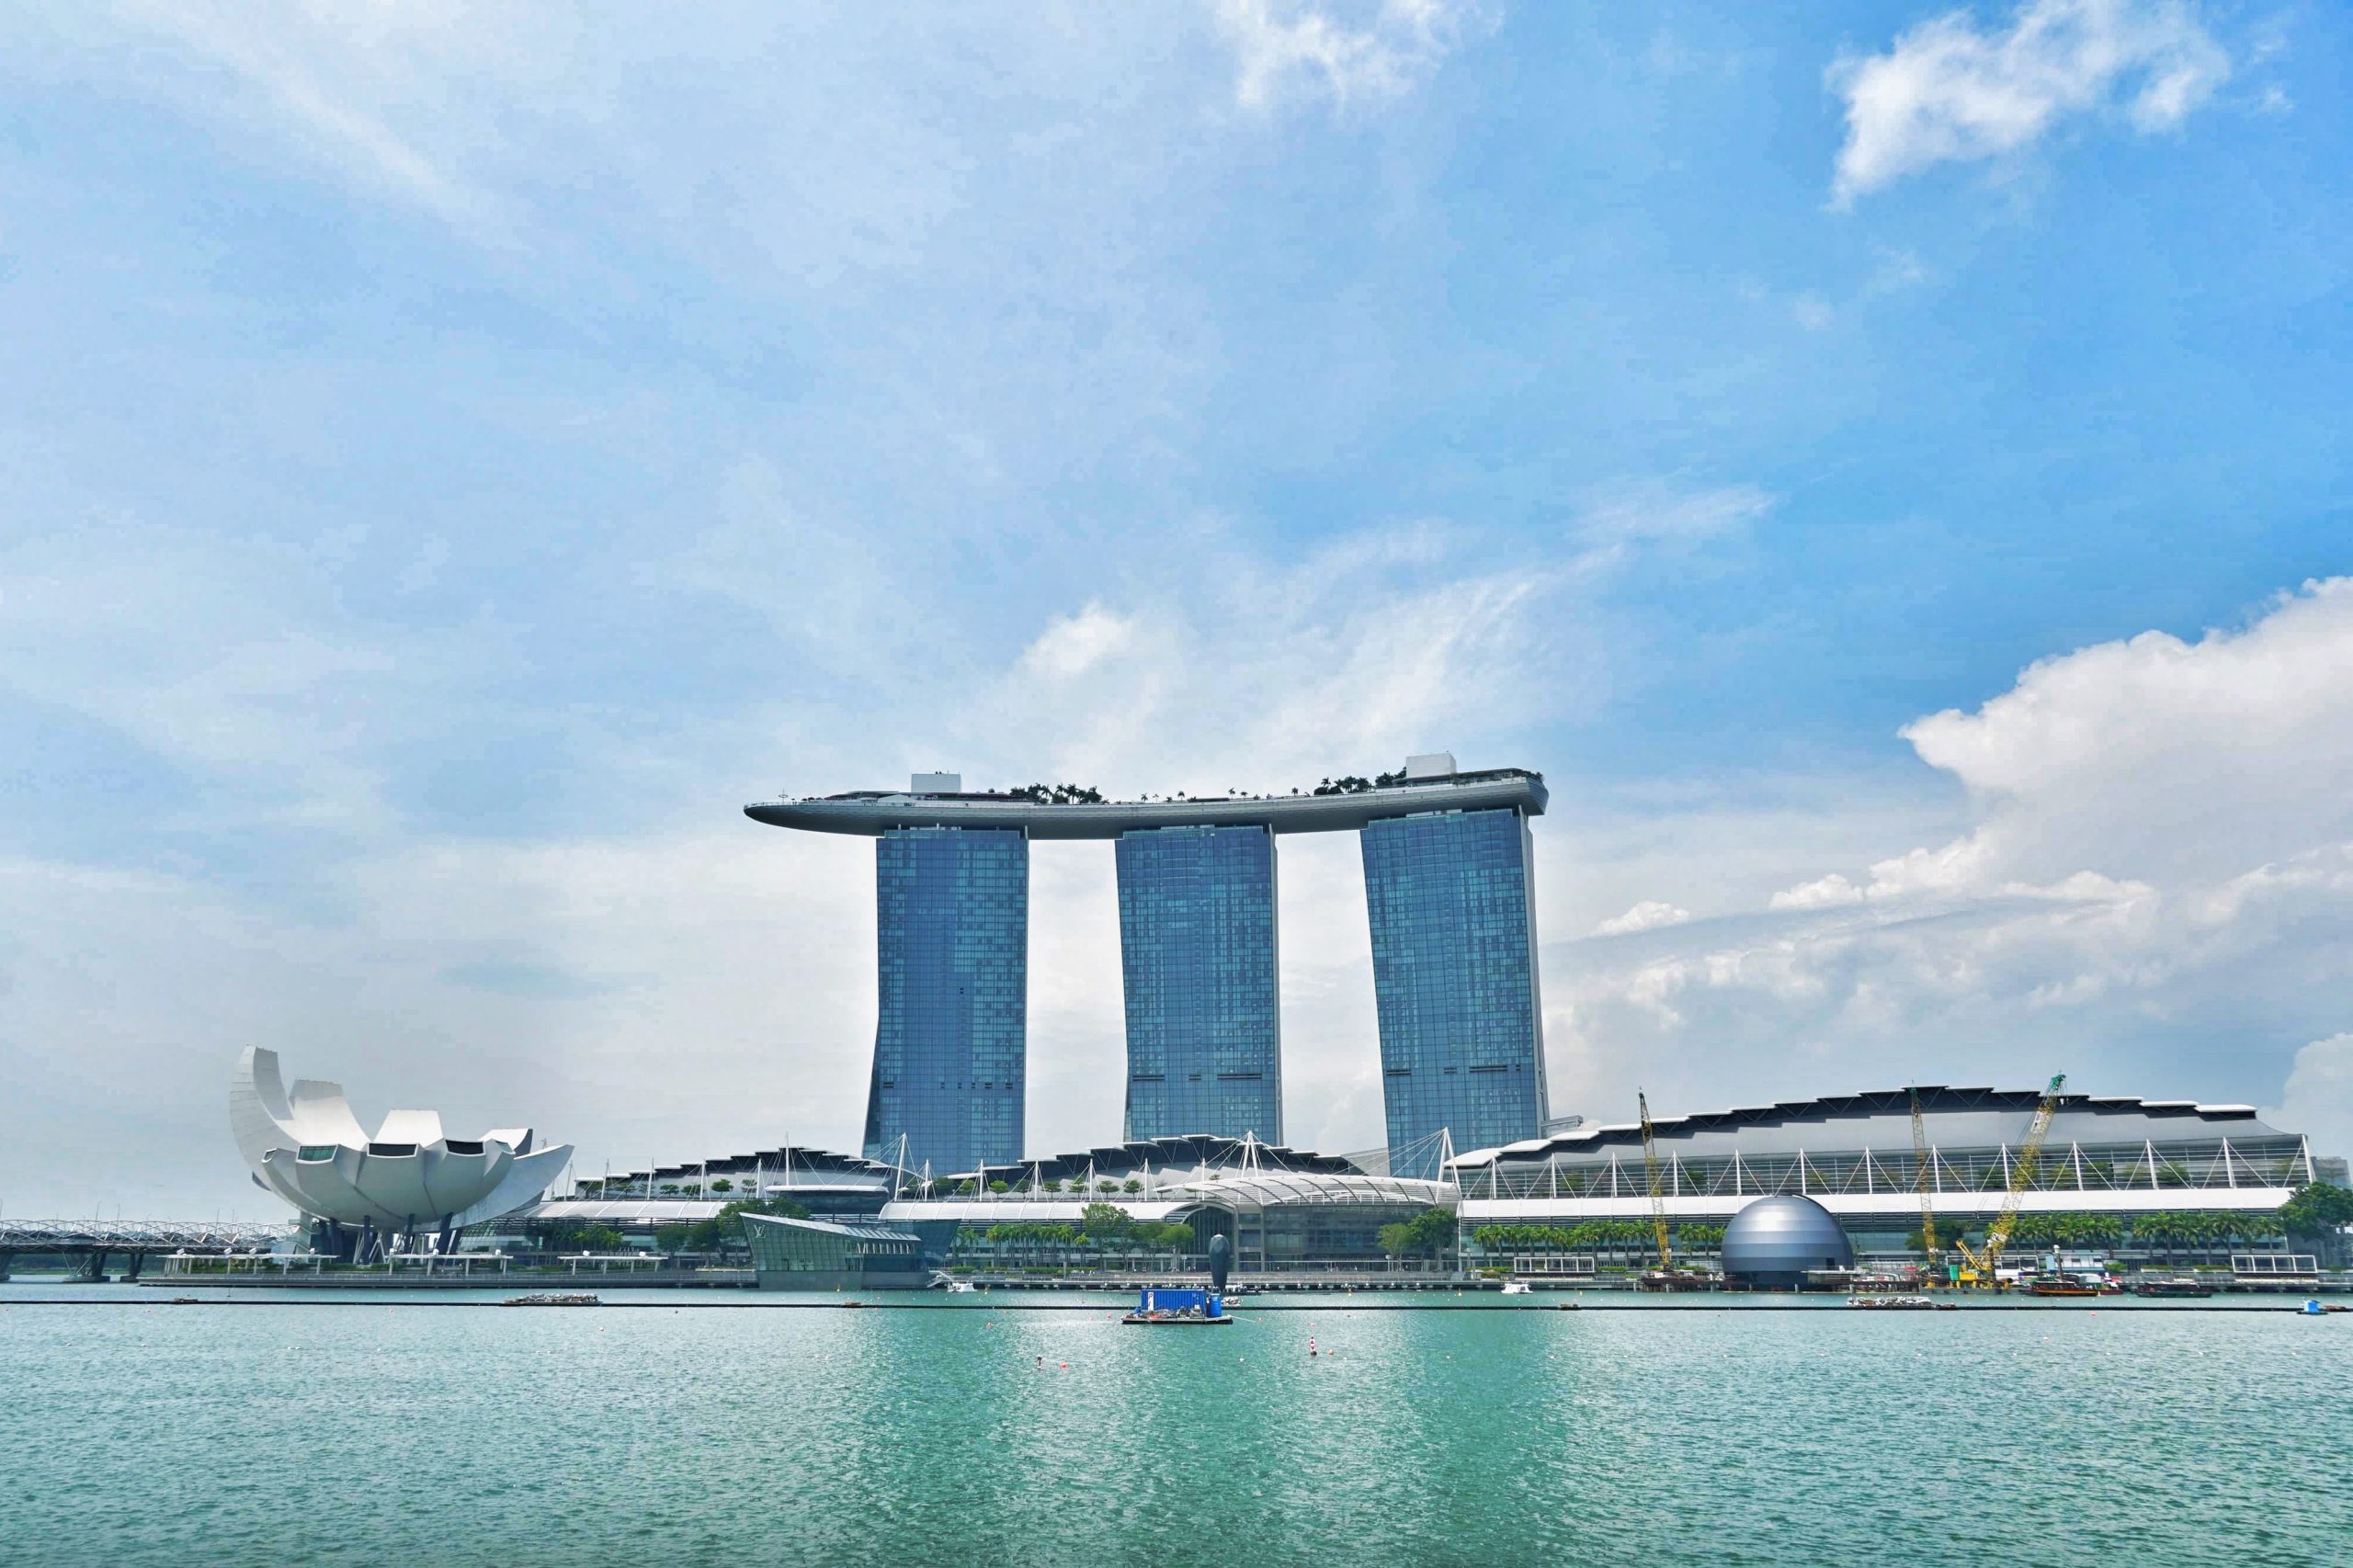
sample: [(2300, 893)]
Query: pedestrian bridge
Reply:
[(95, 1241)]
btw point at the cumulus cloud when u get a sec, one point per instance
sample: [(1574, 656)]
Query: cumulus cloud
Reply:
[(2317, 1099), (1647, 916), (1948, 92), (1348, 54), (1074, 644), (2157, 844), (1273, 674)]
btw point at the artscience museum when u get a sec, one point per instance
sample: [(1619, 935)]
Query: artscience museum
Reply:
[(388, 1192)]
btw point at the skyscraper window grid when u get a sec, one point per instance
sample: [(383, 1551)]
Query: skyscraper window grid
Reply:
[(952, 922), (1454, 977), (1199, 960)]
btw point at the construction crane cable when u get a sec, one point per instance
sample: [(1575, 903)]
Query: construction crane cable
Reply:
[(1922, 1168), (1988, 1259), (1658, 1197)]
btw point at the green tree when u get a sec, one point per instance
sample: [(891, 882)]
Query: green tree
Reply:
[(722, 1185), (582, 1238), (1106, 1221), (1131, 1186), (2317, 1208), (1426, 1235), (725, 1229)]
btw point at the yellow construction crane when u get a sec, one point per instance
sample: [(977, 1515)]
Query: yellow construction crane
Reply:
[(1986, 1260), (1658, 1197), (1922, 1168)]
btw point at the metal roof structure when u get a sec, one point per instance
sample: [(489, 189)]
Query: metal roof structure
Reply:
[(789, 1165), (1882, 1118), (1273, 1189), (856, 1230), (1163, 1155), (870, 814)]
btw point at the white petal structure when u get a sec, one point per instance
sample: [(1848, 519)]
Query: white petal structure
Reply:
[(308, 1148)]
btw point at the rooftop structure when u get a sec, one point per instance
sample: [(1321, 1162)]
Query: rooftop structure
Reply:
[(870, 814)]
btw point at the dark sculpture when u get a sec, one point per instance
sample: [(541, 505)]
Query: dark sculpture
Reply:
[(1221, 1257)]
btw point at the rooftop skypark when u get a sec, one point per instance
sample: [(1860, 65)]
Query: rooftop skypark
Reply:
[(1070, 810)]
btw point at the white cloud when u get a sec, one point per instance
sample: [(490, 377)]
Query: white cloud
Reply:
[(1347, 52), (2158, 845), (1824, 892), (2317, 1099), (1947, 92), (1659, 512), (1648, 915), (1074, 644), (1270, 675)]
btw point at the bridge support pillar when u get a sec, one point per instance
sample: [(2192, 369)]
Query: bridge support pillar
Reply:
[(136, 1259), (95, 1267), (5, 1259)]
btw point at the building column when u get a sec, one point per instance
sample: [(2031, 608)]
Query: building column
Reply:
[(1198, 962)]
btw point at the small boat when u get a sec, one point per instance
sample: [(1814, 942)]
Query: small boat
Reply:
[(187, 1302), (1173, 1309), (2178, 1286), (1519, 1288), (1903, 1305), (2059, 1285), (552, 1301)]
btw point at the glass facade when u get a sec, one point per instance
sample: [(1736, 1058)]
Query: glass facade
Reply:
[(815, 1254), (952, 917), (1454, 980), (1196, 956)]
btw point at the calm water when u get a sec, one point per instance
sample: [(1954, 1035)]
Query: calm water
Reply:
[(233, 1434)]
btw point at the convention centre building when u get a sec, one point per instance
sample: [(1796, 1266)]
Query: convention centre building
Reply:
[(2126, 1161)]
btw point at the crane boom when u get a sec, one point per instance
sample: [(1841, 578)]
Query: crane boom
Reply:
[(1921, 1167), (1988, 1259), (1658, 1197)]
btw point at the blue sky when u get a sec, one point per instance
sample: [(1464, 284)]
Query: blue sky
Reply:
[(1884, 464)]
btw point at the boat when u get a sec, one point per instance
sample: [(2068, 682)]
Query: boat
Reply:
[(1519, 1288), (1903, 1305), (1676, 1279), (1160, 1308), (552, 1301), (2178, 1286), (2059, 1285)]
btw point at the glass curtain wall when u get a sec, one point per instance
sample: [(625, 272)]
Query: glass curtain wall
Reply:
[(951, 1037), (1454, 980), (1197, 962)]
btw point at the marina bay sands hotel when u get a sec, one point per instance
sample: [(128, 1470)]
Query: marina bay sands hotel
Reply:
[(1448, 882)]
